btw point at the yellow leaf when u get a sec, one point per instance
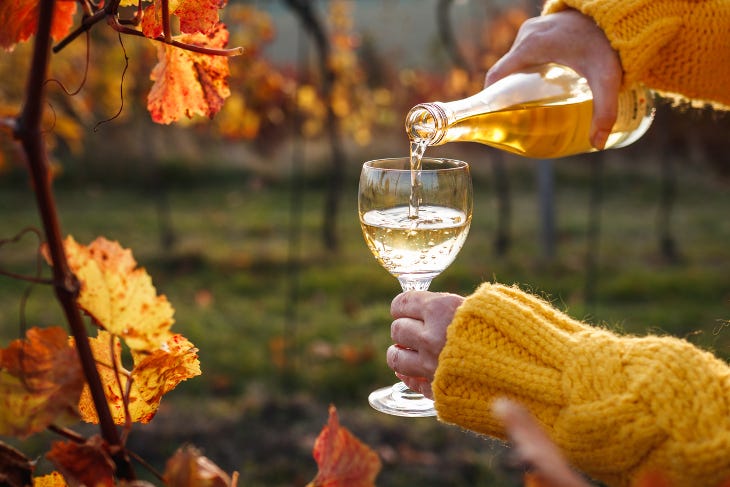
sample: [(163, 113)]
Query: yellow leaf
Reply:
[(53, 479), (153, 376), (118, 295)]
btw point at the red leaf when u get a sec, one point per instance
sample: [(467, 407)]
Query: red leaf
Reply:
[(188, 83), (19, 20), (85, 464), (343, 460)]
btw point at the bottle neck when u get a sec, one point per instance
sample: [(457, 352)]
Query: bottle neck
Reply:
[(427, 122)]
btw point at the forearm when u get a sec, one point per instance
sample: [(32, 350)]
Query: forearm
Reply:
[(673, 46), (616, 406)]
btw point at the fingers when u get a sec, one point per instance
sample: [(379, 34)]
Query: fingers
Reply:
[(419, 331), (572, 39), (417, 384), (407, 332), (605, 104), (409, 304), (535, 44), (510, 63), (407, 362), (425, 306)]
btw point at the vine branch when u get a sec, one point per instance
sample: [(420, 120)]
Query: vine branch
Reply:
[(110, 13), (123, 29), (66, 285)]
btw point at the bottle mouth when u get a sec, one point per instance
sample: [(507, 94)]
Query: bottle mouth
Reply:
[(426, 122)]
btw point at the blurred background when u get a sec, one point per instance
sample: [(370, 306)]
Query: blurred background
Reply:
[(248, 223)]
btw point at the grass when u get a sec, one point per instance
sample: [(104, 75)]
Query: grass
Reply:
[(285, 329)]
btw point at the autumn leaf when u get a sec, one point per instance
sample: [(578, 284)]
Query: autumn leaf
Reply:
[(19, 20), (343, 460), (153, 375), (107, 352), (15, 468), (53, 479), (188, 468), (40, 382), (196, 16), (118, 295), (158, 373), (86, 463), (189, 83)]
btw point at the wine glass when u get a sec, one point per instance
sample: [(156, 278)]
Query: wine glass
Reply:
[(414, 222)]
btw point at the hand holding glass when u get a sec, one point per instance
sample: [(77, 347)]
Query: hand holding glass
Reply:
[(415, 225)]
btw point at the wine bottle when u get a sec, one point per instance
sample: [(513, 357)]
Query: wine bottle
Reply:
[(543, 113)]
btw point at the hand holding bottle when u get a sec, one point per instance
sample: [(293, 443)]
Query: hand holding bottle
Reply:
[(419, 331), (571, 39)]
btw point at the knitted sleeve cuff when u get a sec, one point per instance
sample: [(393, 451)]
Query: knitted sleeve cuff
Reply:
[(503, 341), (617, 406)]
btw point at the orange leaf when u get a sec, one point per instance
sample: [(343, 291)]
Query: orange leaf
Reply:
[(19, 20), (153, 376), (107, 352), (84, 464), (343, 460), (118, 295), (40, 382), (196, 16), (160, 372), (188, 468), (188, 83)]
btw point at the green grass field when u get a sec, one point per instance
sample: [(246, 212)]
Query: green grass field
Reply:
[(284, 329)]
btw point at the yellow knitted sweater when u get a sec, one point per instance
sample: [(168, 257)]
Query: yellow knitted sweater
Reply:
[(618, 407), (678, 47)]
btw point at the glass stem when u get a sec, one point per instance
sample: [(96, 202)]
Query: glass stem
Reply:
[(411, 284)]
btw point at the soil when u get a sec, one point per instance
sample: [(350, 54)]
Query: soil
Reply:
[(269, 441)]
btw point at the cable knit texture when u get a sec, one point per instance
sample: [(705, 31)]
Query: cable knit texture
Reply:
[(617, 406), (678, 47)]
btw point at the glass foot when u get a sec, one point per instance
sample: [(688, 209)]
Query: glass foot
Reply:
[(399, 400)]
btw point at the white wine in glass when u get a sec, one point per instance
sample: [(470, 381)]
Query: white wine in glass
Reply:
[(414, 222)]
